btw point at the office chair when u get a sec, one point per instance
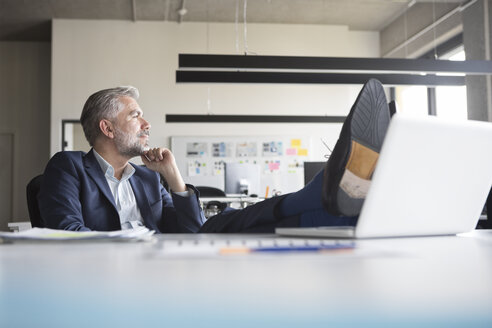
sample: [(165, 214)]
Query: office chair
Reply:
[(487, 211), (213, 207), (488, 206), (392, 107), (206, 191), (32, 190)]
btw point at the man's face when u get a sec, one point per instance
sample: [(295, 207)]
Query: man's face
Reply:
[(131, 130)]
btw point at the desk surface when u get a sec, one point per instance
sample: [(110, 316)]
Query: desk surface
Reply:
[(430, 281)]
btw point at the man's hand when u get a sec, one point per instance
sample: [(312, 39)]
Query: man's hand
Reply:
[(162, 160)]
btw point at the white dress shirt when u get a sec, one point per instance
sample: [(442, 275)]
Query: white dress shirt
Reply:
[(124, 198), (122, 191)]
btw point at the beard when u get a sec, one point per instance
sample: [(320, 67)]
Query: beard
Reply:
[(130, 145)]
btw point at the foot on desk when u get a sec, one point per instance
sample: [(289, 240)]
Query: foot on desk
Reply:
[(349, 169)]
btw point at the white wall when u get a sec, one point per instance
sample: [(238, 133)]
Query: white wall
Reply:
[(92, 55)]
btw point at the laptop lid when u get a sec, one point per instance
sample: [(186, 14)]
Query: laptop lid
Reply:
[(432, 178)]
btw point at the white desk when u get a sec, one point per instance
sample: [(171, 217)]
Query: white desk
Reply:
[(407, 282)]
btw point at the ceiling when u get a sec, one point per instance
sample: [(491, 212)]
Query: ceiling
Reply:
[(29, 20)]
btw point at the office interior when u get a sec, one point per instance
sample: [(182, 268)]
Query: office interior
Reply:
[(53, 57), (55, 53)]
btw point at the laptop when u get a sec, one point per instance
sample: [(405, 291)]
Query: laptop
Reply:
[(432, 178)]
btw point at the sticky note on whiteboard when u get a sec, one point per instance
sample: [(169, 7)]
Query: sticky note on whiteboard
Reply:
[(274, 166), (302, 152), (291, 151), (295, 143)]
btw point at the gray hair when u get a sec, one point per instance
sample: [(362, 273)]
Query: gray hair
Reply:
[(103, 104)]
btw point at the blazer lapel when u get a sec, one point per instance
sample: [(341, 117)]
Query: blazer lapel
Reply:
[(141, 196), (93, 169)]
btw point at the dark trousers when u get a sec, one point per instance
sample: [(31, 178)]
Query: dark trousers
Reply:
[(262, 217)]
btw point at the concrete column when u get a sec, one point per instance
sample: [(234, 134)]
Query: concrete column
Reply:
[(477, 41)]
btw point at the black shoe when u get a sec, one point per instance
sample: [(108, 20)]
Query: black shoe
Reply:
[(349, 169)]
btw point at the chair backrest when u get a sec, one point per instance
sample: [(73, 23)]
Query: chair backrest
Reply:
[(489, 210), (393, 107), (32, 190), (206, 191)]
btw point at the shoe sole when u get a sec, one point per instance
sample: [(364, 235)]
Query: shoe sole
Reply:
[(368, 122)]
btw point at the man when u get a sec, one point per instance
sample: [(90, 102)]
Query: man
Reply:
[(101, 190)]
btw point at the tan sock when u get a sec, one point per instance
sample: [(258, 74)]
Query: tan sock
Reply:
[(360, 166)]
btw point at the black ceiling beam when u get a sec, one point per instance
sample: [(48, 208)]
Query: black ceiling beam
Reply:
[(334, 63), (184, 76), (170, 118)]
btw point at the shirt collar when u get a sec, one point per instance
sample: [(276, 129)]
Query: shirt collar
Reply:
[(109, 170)]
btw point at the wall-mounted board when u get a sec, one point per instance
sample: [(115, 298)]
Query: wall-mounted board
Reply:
[(201, 159)]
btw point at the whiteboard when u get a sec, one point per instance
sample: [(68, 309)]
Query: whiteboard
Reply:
[(201, 159)]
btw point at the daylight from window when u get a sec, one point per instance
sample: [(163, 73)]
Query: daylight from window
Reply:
[(451, 101), (412, 100)]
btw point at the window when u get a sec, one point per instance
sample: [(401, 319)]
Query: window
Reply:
[(412, 99), (451, 101)]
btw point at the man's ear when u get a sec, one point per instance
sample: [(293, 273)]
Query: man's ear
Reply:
[(107, 128)]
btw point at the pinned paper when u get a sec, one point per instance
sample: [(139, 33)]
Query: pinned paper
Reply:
[(272, 148), (246, 149), (302, 152), (222, 149), (294, 166), (271, 166), (291, 151), (196, 149), (218, 168), (295, 143), (196, 168)]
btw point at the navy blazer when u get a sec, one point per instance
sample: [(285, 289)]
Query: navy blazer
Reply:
[(75, 195)]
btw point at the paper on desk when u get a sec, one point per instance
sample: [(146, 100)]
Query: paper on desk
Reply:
[(272, 246), (44, 234)]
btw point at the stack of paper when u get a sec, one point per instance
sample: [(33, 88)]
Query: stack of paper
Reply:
[(44, 234)]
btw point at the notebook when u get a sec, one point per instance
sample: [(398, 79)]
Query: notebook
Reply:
[(432, 178)]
